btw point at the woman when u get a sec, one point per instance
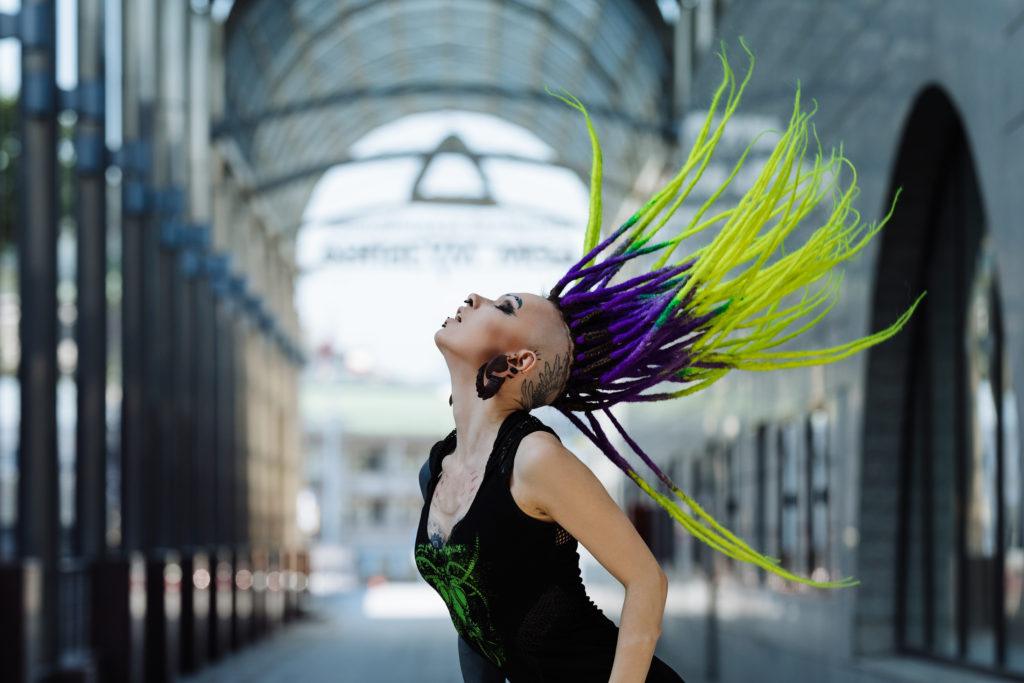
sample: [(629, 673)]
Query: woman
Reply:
[(506, 503)]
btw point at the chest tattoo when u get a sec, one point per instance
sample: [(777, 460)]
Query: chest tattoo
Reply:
[(453, 495)]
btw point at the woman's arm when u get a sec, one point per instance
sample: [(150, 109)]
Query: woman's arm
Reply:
[(549, 482)]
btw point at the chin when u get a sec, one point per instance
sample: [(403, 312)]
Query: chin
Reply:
[(453, 354), (440, 340)]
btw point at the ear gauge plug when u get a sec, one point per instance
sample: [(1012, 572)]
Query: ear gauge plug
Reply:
[(490, 377)]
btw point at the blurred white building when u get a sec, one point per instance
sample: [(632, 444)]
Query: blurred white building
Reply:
[(365, 443)]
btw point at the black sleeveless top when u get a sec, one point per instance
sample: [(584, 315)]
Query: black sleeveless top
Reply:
[(512, 582)]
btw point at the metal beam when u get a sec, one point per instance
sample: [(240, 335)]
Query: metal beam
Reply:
[(331, 29), (91, 330), (321, 167), (134, 343), (38, 523), (235, 125)]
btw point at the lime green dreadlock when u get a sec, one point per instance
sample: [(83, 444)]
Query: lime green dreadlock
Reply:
[(690, 321)]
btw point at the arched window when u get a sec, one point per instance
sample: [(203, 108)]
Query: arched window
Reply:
[(959, 560)]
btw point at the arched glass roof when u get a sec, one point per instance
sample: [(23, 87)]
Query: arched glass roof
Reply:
[(399, 239), (306, 79)]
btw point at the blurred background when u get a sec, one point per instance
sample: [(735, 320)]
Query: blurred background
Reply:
[(229, 230)]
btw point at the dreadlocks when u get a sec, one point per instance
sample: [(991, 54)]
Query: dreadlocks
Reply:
[(690, 321)]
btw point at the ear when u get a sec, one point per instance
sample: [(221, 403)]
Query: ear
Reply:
[(523, 360)]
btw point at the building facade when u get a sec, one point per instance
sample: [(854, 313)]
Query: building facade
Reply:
[(900, 466)]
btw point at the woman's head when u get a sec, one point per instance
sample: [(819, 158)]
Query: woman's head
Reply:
[(517, 343)]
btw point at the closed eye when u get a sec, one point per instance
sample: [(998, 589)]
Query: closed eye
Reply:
[(506, 308)]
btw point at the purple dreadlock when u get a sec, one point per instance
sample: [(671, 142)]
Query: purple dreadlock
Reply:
[(688, 322)]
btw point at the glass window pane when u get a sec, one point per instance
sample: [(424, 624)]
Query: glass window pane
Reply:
[(789, 485), (761, 496), (944, 337), (772, 500), (817, 475), (982, 344), (1013, 563), (917, 627)]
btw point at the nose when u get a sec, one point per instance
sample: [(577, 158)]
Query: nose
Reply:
[(475, 300), (470, 302)]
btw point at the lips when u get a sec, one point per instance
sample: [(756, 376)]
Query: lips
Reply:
[(458, 315)]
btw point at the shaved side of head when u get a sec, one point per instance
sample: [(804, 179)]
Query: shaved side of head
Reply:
[(554, 358)]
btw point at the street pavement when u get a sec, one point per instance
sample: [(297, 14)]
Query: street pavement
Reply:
[(392, 633), (395, 633)]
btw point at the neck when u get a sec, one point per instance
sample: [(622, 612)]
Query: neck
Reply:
[(476, 420)]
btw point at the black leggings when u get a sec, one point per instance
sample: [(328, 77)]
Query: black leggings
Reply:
[(476, 669)]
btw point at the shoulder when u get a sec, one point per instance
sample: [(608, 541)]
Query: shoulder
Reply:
[(544, 470), (542, 461), (550, 483)]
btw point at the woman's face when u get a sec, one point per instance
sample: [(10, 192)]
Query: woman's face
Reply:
[(483, 328)]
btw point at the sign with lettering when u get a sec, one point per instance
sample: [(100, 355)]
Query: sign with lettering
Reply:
[(443, 237)]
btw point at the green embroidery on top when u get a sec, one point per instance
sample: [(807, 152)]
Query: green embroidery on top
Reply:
[(451, 570)]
